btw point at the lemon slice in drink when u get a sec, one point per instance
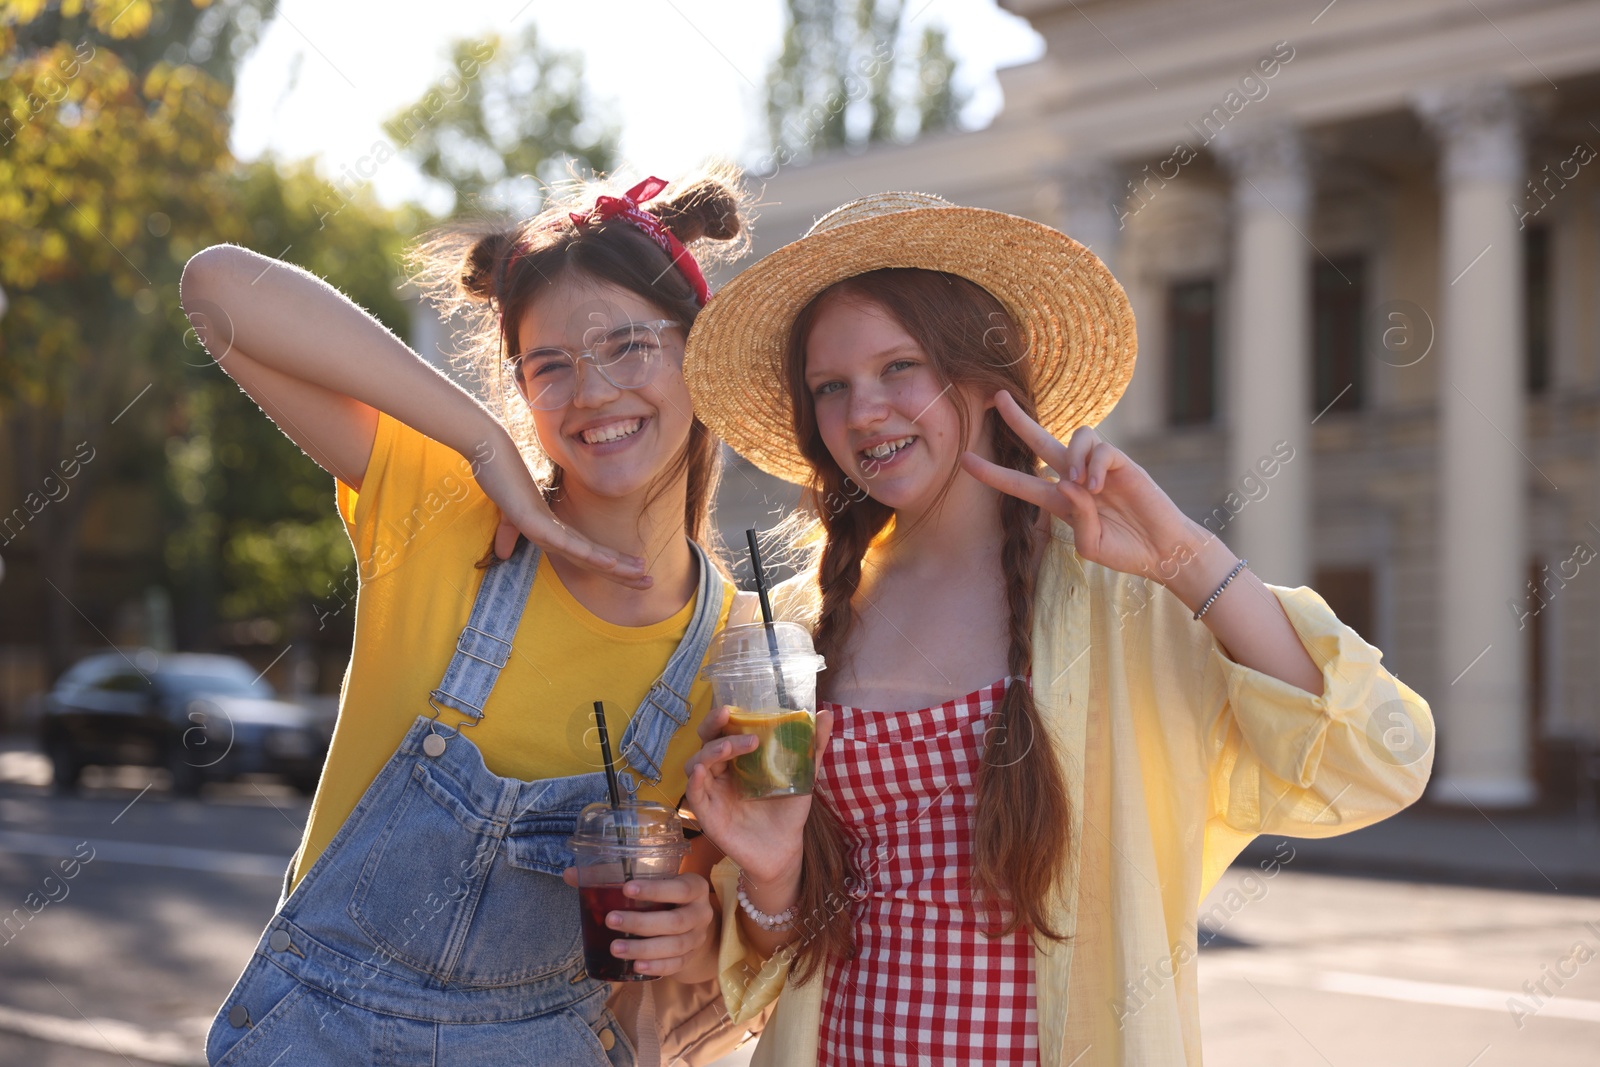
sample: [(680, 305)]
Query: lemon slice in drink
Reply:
[(782, 762)]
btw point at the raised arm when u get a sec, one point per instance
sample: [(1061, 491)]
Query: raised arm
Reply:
[(1249, 621), (274, 336), (1123, 520), (322, 368)]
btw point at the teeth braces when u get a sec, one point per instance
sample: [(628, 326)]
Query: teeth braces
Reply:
[(872, 452)]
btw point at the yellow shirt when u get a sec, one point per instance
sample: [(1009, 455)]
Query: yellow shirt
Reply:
[(1175, 757), (419, 524)]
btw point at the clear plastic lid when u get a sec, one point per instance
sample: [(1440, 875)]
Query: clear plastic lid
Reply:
[(636, 824), (738, 649)]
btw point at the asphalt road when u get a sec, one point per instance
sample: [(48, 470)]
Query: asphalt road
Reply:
[(126, 960)]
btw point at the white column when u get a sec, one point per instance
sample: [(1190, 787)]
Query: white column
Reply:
[(1139, 413), (1483, 499), (1267, 371)]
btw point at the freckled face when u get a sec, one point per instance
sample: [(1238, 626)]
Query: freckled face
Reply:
[(608, 441), (881, 410)]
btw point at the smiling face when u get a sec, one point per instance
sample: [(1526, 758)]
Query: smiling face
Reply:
[(880, 406), (608, 441)]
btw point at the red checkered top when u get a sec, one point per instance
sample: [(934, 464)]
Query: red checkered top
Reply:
[(925, 986)]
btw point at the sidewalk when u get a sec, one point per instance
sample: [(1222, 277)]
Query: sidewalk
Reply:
[(1428, 843), (1425, 843)]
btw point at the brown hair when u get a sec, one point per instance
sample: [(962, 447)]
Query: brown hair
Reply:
[(1019, 825), (484, 278)]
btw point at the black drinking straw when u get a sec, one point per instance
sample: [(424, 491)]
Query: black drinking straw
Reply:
[(611, 782), (766, 615)]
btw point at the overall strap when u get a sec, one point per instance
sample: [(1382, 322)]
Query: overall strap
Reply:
[(484, 646), (666, 706)]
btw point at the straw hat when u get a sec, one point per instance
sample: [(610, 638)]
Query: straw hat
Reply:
[(1074, 316)]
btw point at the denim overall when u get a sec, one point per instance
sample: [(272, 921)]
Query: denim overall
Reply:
[(436, 929)]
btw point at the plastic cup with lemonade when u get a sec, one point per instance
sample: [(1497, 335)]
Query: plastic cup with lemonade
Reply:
[(773, 695)]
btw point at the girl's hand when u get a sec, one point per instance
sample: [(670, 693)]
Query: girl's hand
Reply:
[(505, 479), (505, 538), (661, 942), (762, 836), (1120, 517)]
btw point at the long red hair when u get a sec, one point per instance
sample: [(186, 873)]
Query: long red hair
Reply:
[(1020, 822)]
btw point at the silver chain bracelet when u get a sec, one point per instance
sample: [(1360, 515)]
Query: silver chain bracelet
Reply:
[(1212, 598), (781, 921)]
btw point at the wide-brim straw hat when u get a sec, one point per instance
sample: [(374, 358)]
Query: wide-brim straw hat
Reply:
[(1074, 317)]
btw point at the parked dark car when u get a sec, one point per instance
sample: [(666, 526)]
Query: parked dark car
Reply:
[(202, 717)]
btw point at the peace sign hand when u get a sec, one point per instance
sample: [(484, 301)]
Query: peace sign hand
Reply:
[(1120, 517)]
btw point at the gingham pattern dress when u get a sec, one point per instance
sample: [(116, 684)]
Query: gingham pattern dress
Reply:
[(925, 985)]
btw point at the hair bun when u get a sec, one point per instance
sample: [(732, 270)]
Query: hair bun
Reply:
[(705, 207), (481, 265)]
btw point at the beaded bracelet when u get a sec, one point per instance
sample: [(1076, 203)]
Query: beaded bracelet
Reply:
[(1210, 599), (781, 921)]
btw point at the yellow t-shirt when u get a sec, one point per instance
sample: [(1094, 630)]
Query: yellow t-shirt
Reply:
[(419, 525)]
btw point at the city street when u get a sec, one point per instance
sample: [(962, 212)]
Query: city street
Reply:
[(1288, 520), (1336, 970), (134, 953), (129, 955)]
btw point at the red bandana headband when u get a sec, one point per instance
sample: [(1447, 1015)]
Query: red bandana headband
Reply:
[(627, 206)]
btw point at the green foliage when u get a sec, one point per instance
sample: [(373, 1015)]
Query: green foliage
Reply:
[(272, 571), (253, 519), (505, 112), (845, 78), (107, 183), (250, 508), (280, 206), (114, 170), (111, 175), (109, 180), (211, 37)]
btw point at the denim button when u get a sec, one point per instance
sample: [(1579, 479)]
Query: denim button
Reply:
[(238, 1015), (607, 1039), (279, 940)]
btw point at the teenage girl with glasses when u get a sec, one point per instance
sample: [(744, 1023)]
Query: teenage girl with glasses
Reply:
[(520, 557)]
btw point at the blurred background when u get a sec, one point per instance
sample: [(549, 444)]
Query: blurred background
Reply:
[(1362, 240)]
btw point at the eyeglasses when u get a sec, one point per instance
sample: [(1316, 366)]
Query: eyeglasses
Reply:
[(625, 356)]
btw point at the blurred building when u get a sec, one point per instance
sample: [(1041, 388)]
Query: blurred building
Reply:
[(1366, 235)]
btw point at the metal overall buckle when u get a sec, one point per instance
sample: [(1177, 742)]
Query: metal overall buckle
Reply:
[(433, 744)]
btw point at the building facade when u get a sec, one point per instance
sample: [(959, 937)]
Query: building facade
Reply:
[(1362, 242)]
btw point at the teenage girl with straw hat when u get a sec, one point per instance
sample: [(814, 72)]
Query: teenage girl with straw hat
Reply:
[(425, 918), (1055, 709)]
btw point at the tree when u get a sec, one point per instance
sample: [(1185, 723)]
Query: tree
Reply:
[(506, 112), (212, 37), (253, 534), (940, 103), (253, 531), (114, 170), (107, 184), (845, 78)]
